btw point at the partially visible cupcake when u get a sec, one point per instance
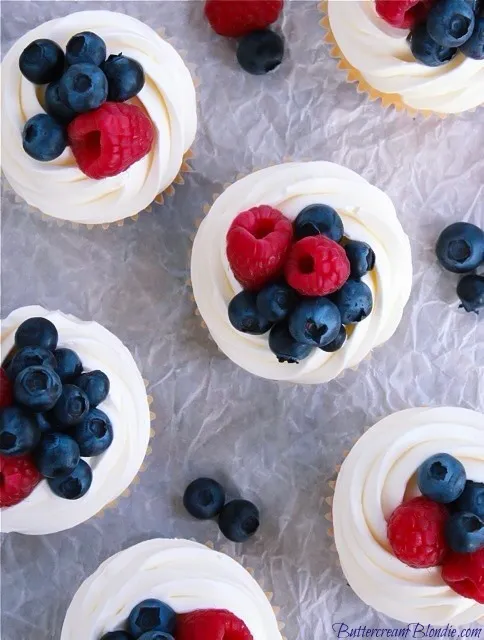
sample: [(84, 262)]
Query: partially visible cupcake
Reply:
[(170, 586), (118, 125), (74, 420)]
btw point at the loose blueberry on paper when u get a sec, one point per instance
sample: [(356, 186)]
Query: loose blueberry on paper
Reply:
[(204, 498)]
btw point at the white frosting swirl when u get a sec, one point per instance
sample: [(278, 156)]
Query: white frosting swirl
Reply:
[(383, 56), (368, 215), (379, 471), (126, 406), (59, 188), (185, 575)]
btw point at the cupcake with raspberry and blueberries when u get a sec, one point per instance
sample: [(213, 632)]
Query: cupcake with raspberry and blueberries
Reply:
[(417, 55), (74, 420), (311, 270), (98, 114), (170, 589), (408, 516)]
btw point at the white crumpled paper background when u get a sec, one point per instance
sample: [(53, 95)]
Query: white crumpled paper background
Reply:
[(276, 444)]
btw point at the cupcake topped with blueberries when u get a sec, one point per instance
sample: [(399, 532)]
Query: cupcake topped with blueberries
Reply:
[(98, 112), (74, 420)]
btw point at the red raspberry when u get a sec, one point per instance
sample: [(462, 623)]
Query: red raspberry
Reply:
[(258, 243), (464, 573), (317, 266), (6, 397), (404, 14), (18, 478), (236, 18), (110, 139), (211, 624), (416, 532)]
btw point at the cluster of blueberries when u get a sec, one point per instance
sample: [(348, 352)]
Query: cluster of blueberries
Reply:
[(149, 620), (54, 416), (297, 324), (78, 81), (460, 249)]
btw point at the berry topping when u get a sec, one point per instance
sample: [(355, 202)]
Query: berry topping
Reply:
[(316, 266), (19, 433), (403, 14), (72, 406), (156, 635), (471, 499), (361, 257), (42, 61), (315, 322), (337, 343), (117, 635), (83, 87), (86, 47), (245, 316), (36, 332), (43, 423), (239, 520), (74, 485), (239, 17), (43, 138), (94, 434), (354, 301), (427, 51), (464, 573), (151, 615), (211, 625), (204, 499), (285, 347), (276, 301), (37, 388), (54, 105), (57, 455), (95, 385), (451, 22), (258, 243), (474, 47), (110, 139), (471, 292), (260, 52), (460, 247), (6, 390), (319, 219), (416, 532), (69, 365), (125, 77), (464, 532), (441, 478), (18, 478)]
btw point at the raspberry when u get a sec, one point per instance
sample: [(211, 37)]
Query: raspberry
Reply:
[(416, 532), (110, 139), (211, 624), (6, 397), (18, 478), (317, 266), (236, 18), (258, 243), (404, 14), (464, 573)]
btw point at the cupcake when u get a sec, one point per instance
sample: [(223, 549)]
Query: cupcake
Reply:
[(74, 420), (118, 125), (416, 475), (168, 584), (300, 270), (420, 55)]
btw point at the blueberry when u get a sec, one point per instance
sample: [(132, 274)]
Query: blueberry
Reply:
[(29, 357), (361, 257), (451, 22), (156, 635), (474, 47), (472, 499), (151, 615), (337, 343), (471, 292), (260, 52), (19, 433), (55, 107), (245, 316), (43, 138), (38, 388), (72, 406), (239, 520), (125, 77), (42, 422), (315, 321), (441, 478), (319, 219), (36, 332), (427, 51), (117, 635), (283, 345), (95, 385), (83, 87), (42, 61), (74, 485), (57, 455), (460, 247), (464, 532), (86, 47), (276, 301), (94, 434), (204, 499), (69, 365), (354, 301)]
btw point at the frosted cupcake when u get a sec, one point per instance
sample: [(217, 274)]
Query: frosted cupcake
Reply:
[(410, 556), (118, 126), (167, 585), (74, 420), (300, 270)]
